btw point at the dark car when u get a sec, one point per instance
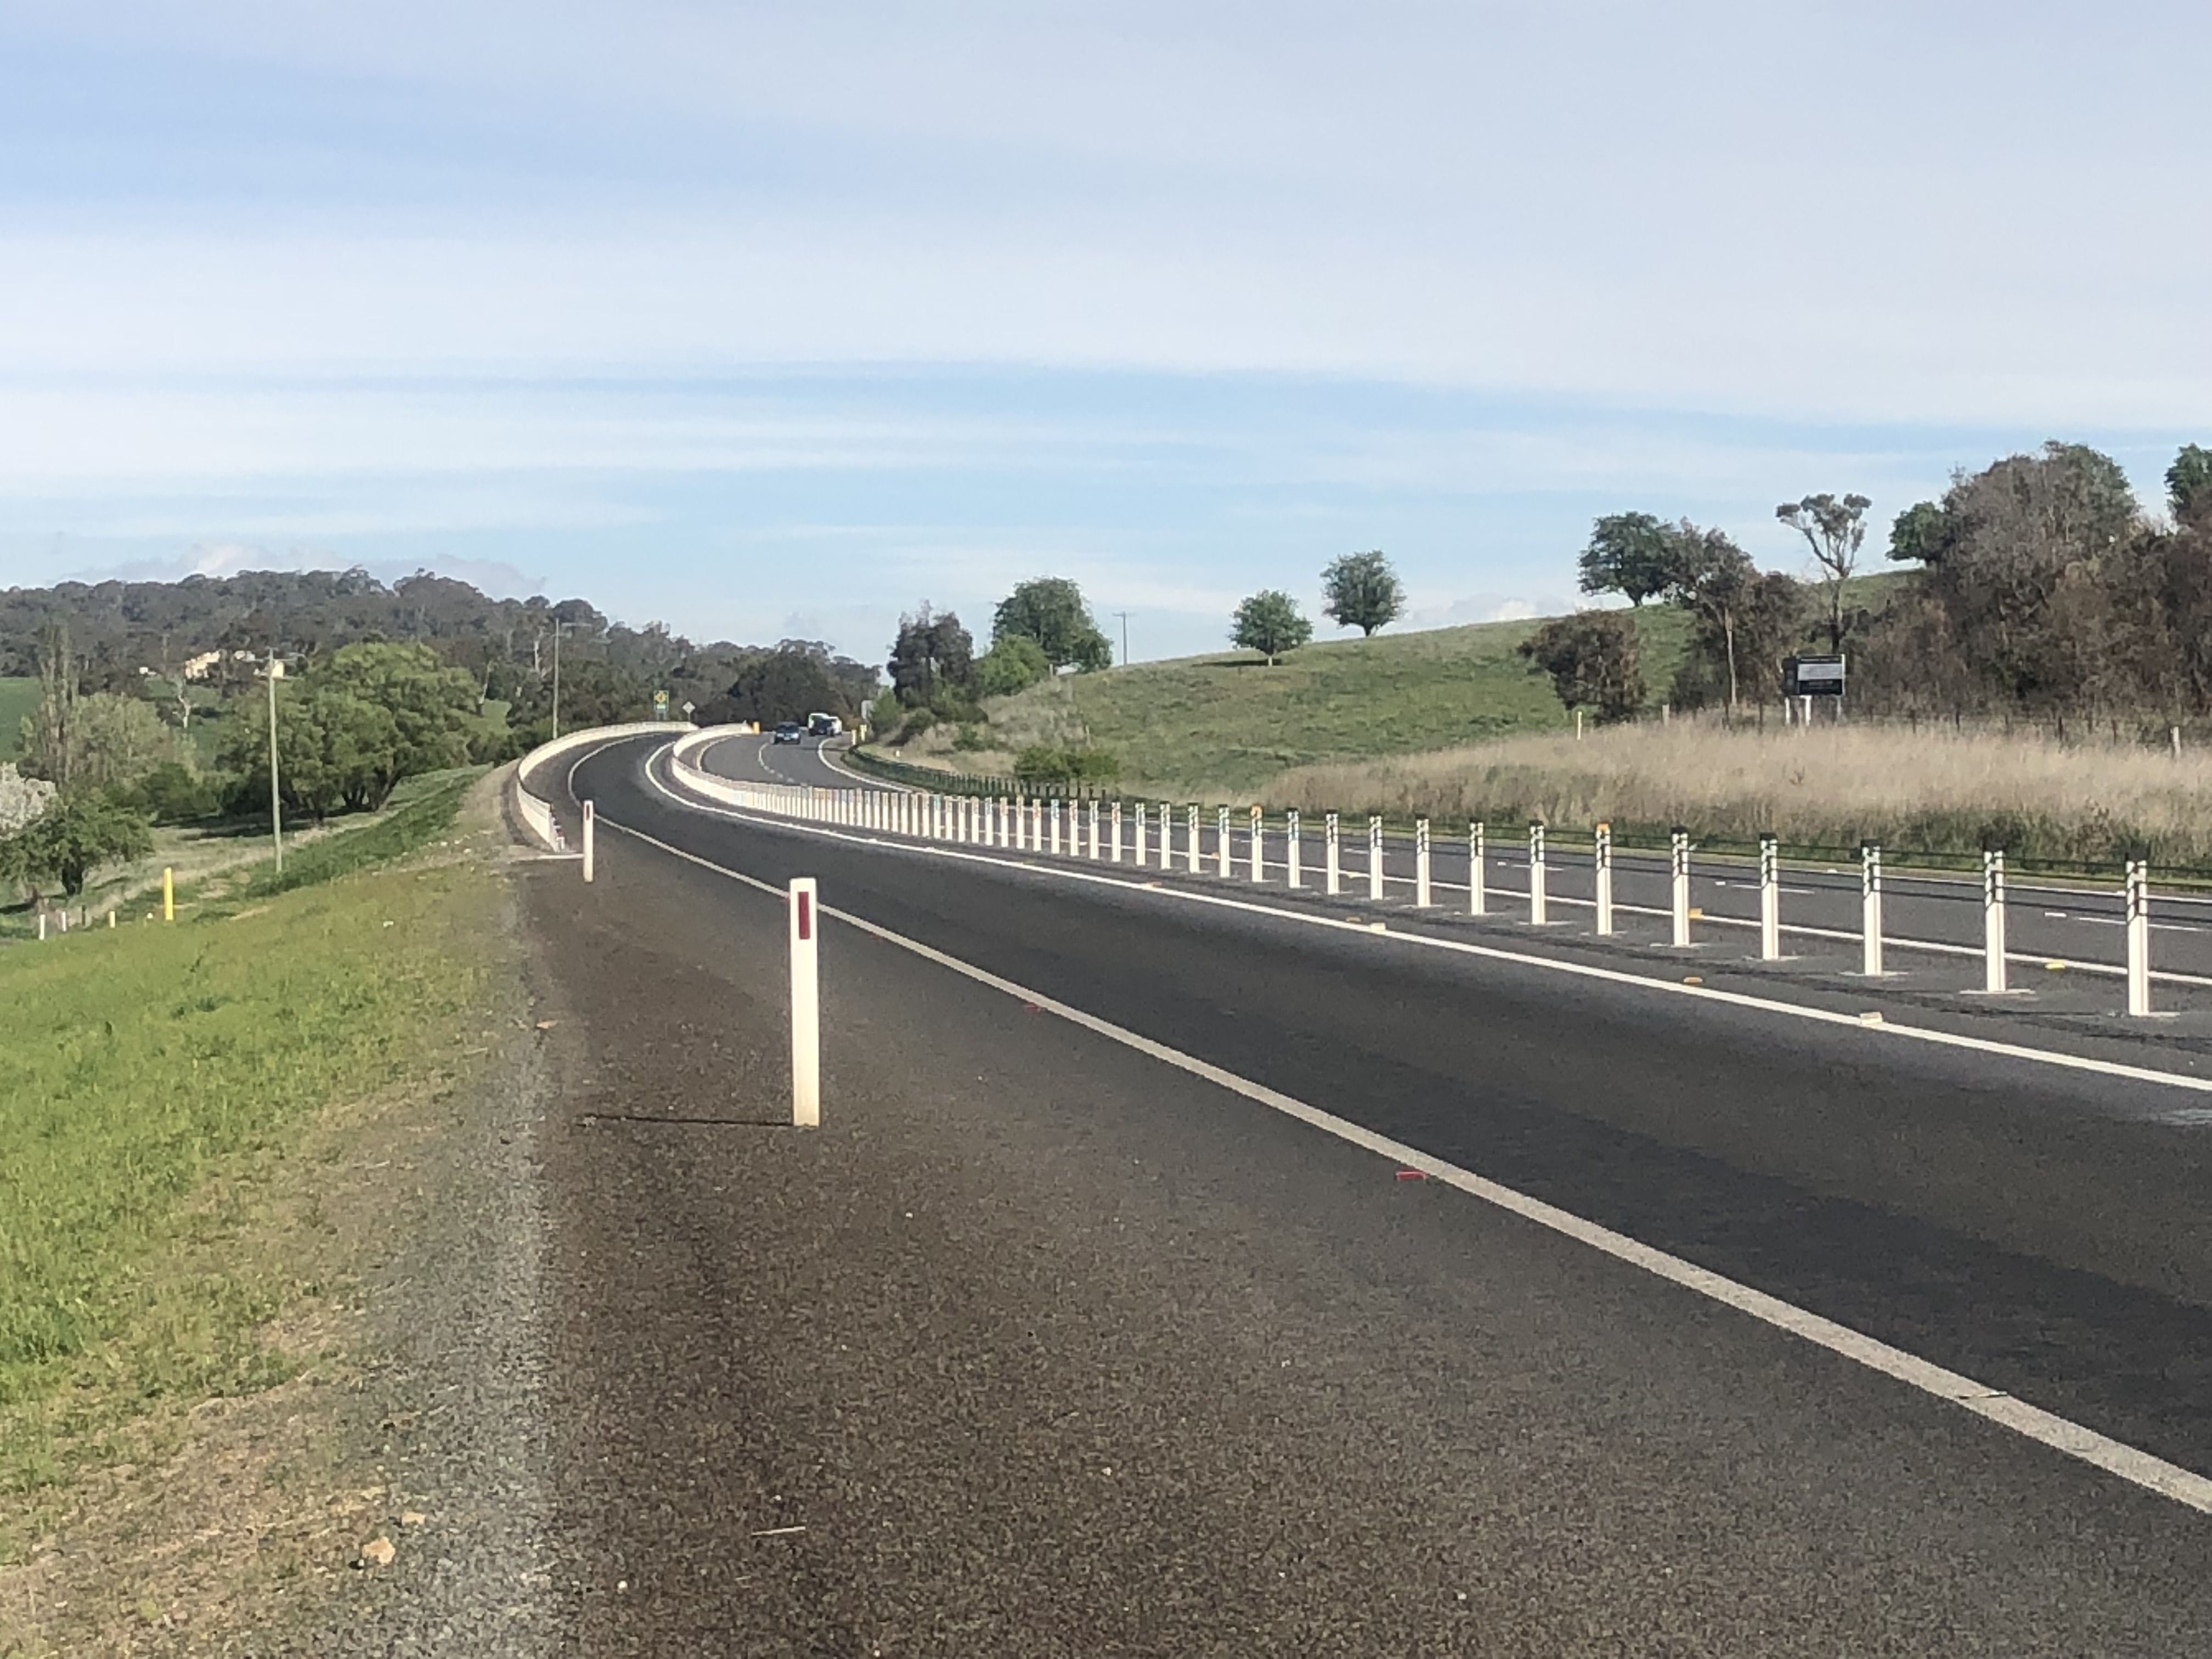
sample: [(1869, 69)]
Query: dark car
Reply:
[(790, 732)]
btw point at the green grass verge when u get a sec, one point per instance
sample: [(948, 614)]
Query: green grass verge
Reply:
[(420, 812), (145, 1068)]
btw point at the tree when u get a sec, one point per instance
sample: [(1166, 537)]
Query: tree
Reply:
[(1920, 532), (1270, 624), (1628, 554), (1592, 658), (1711, 578), (788, 684), (21, 799), (1835, 529), (1051, 610), (76, 835), (50, 730), (2188, 484), (1013, 664), (933, 655), (117, 741), (1364, 591)]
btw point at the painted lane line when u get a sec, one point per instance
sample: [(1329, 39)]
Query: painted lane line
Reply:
[(1423, 941), (2138, 1467)]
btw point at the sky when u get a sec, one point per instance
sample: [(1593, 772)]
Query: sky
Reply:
[(778, 319)]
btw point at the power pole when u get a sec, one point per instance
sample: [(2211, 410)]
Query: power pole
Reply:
[(276, 800), (1124, 616)]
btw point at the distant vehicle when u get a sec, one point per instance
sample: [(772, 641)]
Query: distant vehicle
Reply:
[(824, 726), (790, 732)]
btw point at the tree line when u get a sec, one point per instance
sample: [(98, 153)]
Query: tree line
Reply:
[(2038, 586)]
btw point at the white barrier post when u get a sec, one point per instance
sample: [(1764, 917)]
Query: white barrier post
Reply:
[(1680, 860), (1093, 813), (1055, 826), (1191, 850), (1006, 816), (1259, 869), (2138, 897), (1334, 862), (1144, 826), (1769, 899), (1221, 844), (806, 1004), (1114, 822), (1539, 911), (1870, 909), (1421, 891), (1290, 847), (1478, 869), (1373, 856), (1167, 834), (1036, 825), (1603, 857), (590, 819), (1993, 923)]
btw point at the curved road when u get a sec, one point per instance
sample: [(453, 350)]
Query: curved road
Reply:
[(1043, 1344)]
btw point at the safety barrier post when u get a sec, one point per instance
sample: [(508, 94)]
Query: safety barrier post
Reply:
[(1259, 869), (1221, 844), (1478, 869), (1601, 855), (2138, 898), (1192, 851), (1290, 847), (1373, 856), (1769, 899), (1332, 864), (1055, 826), (1093, 815), (1539, 901), (1114, 820), (1167, 834), (1870, 909), (1680, 861), (168, 894), (1142, 824), (590, 820), (1993, 923), (805, 1004), (1420, 864)]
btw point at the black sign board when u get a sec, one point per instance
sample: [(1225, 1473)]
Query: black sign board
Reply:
[(1813, 676)]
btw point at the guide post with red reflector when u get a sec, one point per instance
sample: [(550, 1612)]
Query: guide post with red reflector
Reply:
[(804, 912), (589, 824)]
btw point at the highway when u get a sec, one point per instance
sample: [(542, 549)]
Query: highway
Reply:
[(1052, 1345)]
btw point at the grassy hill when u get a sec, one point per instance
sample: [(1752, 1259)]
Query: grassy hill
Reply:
[(1232, 723), (17, 699)]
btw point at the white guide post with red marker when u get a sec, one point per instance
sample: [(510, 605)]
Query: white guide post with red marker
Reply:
[(804, 921)]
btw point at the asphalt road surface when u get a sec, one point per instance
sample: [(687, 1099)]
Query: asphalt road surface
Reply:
[(1043, 1346)]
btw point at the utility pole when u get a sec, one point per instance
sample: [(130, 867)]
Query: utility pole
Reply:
[(276, 800), (1124, 616), (559, 627)]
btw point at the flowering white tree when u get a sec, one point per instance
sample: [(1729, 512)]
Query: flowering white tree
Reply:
[(21, 799)]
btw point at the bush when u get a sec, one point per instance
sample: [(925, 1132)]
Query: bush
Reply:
[(917, 721), (1041, 762), (971, 739), (175, 793), (1014, 663)]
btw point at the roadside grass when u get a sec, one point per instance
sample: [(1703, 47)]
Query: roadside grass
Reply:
[(178, 1104), (421, 810), (1927, 792), (1227, 726), (18, 697)]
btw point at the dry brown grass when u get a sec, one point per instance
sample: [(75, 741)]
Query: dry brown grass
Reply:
[(1828, 786)]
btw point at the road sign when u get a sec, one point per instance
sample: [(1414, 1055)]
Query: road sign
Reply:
[(689, 708), (1813, 676), (661, 705)]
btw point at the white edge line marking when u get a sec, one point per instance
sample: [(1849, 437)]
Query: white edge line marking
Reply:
[(2138, 1467), (1888, 1027)]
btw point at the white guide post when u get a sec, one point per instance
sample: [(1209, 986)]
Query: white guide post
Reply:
[(1993, 923), (1290, 847), (1055, 826), (1478, 869), (1113, 826), (590, 823), (1539, 901), (1870, 909), (1603, 857), (1769, 899), (1332, 858), (805, 922), (1191, 847), (1142, 822), (1680, 851), (1094, 832), (1221, 842), (1259, 837), (1421, 863), (2138, 897), (1167, 834), (1373, 856)]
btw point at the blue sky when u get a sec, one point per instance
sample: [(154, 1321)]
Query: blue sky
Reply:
[(779, 319)]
